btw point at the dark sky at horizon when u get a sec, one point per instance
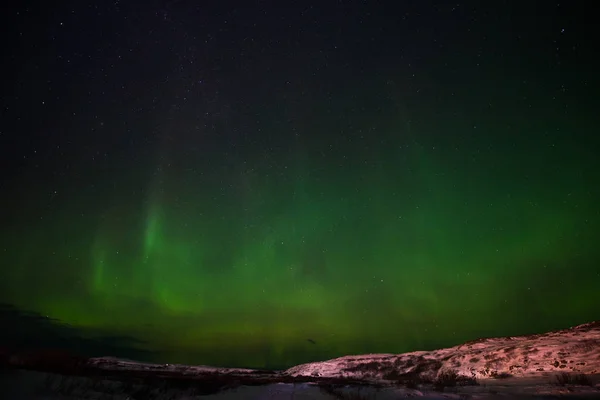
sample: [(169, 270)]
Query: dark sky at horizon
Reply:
[(220, 181)]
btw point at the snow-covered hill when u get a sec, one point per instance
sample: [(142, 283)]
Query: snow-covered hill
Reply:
[(564, 363), (575, 350)]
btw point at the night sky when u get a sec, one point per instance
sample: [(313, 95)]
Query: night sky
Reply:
[(264, 183)]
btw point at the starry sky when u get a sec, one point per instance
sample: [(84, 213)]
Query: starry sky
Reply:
[(264, 183)]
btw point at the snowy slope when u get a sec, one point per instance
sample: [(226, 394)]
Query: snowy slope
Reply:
[(575, 350), (486, 368)]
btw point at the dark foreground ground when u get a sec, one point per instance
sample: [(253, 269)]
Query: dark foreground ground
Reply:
[(24, 384), (563, 364)]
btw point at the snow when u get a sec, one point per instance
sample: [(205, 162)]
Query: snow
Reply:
[(575, 350), (528, 366)]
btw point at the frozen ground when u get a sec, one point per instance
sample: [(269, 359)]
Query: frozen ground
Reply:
[(25, 385), (561, 364)]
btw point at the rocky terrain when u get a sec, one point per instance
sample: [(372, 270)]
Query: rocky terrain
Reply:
[(563, 363), (574, 351)]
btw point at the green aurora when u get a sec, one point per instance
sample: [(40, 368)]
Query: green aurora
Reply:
[(408, 250), (224, 202)]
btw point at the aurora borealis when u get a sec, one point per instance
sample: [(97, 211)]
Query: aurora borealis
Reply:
[(251, 184)]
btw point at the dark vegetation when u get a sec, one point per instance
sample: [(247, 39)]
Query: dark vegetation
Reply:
[(423, 372), (338, 392), (500, 375), (427, 372), (450, 378), (565, 379), (475, 341), (586, 345), (589, 326), (372, 366)]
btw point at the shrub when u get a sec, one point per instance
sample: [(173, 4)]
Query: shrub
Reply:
[(573, 379), (500, 375), (445, 379), (450, 378), (339, 393)]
